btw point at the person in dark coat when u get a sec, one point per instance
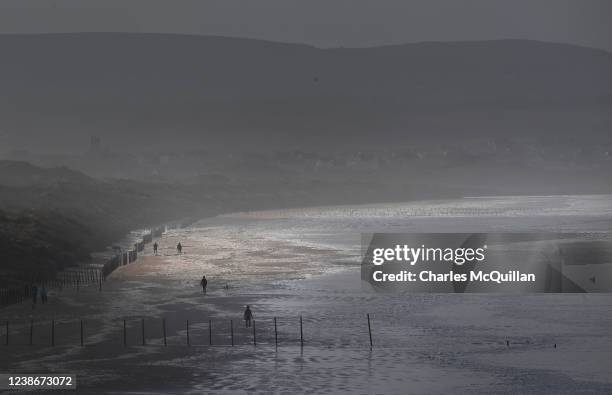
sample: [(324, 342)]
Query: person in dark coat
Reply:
[(204, 283), (248, 316)]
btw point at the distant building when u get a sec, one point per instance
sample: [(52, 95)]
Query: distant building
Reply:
[(95, 144)]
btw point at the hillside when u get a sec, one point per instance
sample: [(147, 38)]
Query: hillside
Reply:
[(55, 217), (178, 90), (41, 242)]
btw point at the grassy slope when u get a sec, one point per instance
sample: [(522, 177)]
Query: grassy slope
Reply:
[(50, 218)]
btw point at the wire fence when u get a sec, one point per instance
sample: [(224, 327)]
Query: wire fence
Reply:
[(143, 331), (77, 277)]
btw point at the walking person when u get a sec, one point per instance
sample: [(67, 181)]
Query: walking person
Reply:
[(43, 295), (179, 248), (155, 248), (248, 316), (204, 283)]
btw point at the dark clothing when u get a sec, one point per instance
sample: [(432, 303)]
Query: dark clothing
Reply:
[(248, 316), (204, 283), (155, 248)]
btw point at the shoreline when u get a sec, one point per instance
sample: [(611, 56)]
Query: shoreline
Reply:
[(105, 363), (480, 343), (236, 212)]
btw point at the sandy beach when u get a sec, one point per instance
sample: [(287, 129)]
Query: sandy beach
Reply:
[(549, 343), (417, 340)]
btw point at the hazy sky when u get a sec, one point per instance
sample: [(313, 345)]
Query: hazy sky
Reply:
[(325, 22)]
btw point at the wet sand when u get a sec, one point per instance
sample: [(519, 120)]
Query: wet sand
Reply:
[(423, 343)]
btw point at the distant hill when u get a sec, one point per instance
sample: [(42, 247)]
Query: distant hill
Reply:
[(106, 208), (160, 89), (24, 174)]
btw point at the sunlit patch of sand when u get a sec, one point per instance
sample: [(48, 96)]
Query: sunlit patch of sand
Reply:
[(146, 265)]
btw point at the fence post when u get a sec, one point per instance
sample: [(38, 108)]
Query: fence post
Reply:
[(254, 336), (52, 332), (188, 333), (275, 334), (210, 332), (143, 332), (82, 340), (232, 331), (301, 334), (370, 331), (164, 327)]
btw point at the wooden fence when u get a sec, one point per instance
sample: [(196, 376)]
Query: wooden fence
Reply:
[(137, 332), (75, 277)]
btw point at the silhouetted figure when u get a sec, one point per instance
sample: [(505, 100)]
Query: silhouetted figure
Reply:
[(155, 248), (179, 248), (248, 316), (204, 283), (43, 295), (34, 294)]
